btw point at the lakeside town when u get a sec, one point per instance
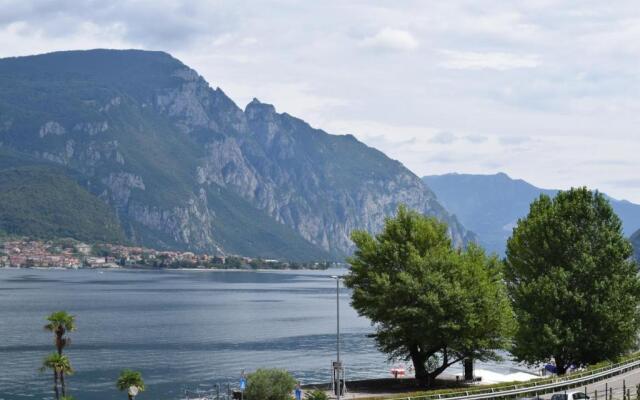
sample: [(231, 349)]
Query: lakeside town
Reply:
[(70, 253)]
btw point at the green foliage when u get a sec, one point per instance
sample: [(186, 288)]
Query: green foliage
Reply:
[(316, 395), (42, 202), (430, 303), (61, 366), (130, 378), (574, 287), (58, 363), (270, 384), (60, 323), (635, 242)]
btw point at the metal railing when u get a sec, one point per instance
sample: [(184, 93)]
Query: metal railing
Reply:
[(536, 387)]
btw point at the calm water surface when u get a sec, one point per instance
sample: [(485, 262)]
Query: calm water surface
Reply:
[(181, 329)]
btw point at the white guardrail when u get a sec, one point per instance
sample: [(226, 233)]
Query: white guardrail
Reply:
[(535, 388)]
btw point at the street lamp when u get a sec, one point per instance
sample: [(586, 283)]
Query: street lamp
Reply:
[(338, 370)]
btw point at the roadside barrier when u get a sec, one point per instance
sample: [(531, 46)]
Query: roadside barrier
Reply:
[(536, 387)]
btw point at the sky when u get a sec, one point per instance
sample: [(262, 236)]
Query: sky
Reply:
[(546, 91)]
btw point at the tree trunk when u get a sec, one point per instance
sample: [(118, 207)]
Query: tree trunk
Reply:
[(64, 389), (130, 396), (55, 384), (59, 344), (419, 361), (561, 369), (561, 366)]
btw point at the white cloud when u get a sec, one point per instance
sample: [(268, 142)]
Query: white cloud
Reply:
[(488, 60), (444, 138), (392, 39)]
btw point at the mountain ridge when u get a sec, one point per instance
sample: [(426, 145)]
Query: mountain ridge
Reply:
[(183, 166), (490, 205)]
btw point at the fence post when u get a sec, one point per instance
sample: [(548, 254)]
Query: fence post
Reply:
[(610, 393), (606, 390), (624, 389), (628, 394), (595, 395)]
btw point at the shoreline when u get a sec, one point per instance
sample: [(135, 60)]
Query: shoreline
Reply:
[(164, 269)]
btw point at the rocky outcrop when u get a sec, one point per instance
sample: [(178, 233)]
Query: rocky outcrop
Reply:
[(275, 162)]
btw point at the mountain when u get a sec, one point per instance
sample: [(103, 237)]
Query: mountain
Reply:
[(183, 167), (490, 205)]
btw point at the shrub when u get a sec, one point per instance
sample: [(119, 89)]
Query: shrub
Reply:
[(270, 384), (317, 395)]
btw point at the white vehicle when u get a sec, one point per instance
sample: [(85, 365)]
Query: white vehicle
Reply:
[(570, 395)]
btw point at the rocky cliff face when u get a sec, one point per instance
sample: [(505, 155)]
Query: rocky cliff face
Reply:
[(183, 166)]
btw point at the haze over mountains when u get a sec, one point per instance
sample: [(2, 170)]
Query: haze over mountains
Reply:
[(181, 166), (490, 205)]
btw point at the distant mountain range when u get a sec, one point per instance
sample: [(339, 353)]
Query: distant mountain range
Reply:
[(490, 205), (179, 165)]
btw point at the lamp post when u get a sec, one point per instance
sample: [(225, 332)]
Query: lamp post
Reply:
[(338, 374)]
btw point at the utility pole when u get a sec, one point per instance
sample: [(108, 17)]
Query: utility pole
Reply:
[(338, 371)]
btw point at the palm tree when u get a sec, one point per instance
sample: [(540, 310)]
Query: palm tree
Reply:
[(61, 322), (60, 365), (128, 379)]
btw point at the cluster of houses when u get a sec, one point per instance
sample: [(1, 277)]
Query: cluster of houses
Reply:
[(33, 253), (73, 254), (130, 256), (69, 253)]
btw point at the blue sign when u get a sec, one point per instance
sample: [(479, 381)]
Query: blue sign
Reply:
[(243, 383), (298, 393)]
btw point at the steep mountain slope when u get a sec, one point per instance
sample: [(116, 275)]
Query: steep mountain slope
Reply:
[(42, 202), (183, 166), (490, 205)]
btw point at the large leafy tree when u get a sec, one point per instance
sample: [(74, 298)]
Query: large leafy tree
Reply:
[(574, 288), (429, 302)]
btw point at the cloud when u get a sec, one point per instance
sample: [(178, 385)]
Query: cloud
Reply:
[(564, 74), (513, 140), (626, 183), (476, 139), (470, 60), (444, 138), (392, 39)]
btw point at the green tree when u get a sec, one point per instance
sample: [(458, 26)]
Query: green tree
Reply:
[(270, 384), (60, 323), (574, 288), (61, 366), (129, 378), (429, 302)]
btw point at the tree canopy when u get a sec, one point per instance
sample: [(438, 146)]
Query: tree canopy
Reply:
[(574, 287), (270, 384), (429, 302), (129, 378), (60, 323)]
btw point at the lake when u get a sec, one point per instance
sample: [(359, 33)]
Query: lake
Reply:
[(181, 329)]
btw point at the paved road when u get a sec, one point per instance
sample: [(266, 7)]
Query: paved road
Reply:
[(630, 379)]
